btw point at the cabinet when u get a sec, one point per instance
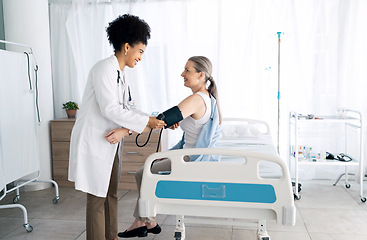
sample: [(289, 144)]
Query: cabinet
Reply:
[(133, 157), (332, 132), (60, 145)]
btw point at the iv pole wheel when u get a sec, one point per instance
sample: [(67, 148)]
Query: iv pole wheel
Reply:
[(363, 199), (347, 185)]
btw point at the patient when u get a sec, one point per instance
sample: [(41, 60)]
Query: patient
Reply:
[(201, 126)]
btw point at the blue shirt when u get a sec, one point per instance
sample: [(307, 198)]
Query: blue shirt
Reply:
[(208, 138)]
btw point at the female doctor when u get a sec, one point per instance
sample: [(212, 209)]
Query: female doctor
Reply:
[(94, 162)]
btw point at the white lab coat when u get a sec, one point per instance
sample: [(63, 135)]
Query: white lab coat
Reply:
[(104, 107)]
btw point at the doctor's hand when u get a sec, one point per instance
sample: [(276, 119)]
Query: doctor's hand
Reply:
[(116, 135), (155, 123), (174, 126)]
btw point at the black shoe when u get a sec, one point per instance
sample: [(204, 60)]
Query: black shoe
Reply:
[(156, 230), (137, 232)]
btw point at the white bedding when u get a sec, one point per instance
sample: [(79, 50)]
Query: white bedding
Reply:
[(250, 135), (262, 144)]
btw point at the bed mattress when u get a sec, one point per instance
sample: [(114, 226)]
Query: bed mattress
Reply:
[(262, 144)]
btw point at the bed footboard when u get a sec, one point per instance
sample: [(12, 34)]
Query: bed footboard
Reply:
[(217, 189)]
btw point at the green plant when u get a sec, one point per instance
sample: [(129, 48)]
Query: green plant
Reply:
[(70, 105)]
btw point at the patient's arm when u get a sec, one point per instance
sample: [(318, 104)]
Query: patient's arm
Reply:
[(193, 106)]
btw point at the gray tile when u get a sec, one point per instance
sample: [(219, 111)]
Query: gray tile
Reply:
[(34, 207), (323, 195), (275, 235), (240, 234), (324, 212), (335, 236), (49, 229), (68, 209), (335, 221), (8, 225), (82, 236), (202, 233)]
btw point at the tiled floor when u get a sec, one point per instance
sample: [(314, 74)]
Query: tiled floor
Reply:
[(324, 212)]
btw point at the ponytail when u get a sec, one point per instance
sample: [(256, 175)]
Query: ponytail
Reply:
[(212, 89), (203, 64)]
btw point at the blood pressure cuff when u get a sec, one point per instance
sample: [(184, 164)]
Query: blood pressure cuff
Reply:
[(171, 116)]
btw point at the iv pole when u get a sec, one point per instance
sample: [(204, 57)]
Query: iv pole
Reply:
[(279, 33)]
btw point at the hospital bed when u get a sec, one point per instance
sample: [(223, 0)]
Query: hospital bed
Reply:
[(223, 193)]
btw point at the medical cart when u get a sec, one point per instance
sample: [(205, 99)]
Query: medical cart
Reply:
[(340, 128)]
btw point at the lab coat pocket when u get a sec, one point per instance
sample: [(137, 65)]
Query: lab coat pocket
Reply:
[(100, 151)]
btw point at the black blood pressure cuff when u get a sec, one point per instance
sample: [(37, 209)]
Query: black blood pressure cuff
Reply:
[(171, 116)]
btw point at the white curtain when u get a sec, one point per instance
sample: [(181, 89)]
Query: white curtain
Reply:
[(19, 117), (322, 54)]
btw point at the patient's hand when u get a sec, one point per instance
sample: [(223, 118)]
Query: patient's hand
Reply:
[(174, 126), (116, 135)]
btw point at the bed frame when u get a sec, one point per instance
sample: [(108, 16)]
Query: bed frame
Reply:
[(217, 190)]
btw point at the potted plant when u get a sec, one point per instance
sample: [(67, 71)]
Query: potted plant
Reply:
[(70, 108)]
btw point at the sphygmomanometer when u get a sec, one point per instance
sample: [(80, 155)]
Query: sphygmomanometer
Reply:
[(170, 117)]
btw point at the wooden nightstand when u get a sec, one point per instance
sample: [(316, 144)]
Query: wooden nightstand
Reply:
[(132, 159), (60, 143)]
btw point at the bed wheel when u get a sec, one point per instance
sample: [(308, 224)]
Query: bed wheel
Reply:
[(263, 236), (363, 199), (177, 236), (16, 199), (297, 197), (347, 185)]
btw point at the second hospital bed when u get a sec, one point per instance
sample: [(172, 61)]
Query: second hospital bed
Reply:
[(245, 185)]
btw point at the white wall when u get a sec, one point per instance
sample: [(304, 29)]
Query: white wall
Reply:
[(27, 22)]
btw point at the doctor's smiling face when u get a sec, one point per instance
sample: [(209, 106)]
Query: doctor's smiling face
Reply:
[(192, 78), (133, 54)]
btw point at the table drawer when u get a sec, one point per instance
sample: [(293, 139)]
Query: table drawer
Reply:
[(61, 131), (133, 153), (60, 151)]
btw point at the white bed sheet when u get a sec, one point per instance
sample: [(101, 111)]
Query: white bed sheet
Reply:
[(262, 144), (239, 134)]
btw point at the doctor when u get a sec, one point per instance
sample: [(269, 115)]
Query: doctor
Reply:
[(94, 162)]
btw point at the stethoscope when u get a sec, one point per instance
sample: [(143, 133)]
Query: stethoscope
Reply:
[(130, 102), (129, 105)]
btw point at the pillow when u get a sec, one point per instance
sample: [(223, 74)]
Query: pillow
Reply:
[(240, 131)]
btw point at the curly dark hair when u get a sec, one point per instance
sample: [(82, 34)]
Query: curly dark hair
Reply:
[(127, 29)]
